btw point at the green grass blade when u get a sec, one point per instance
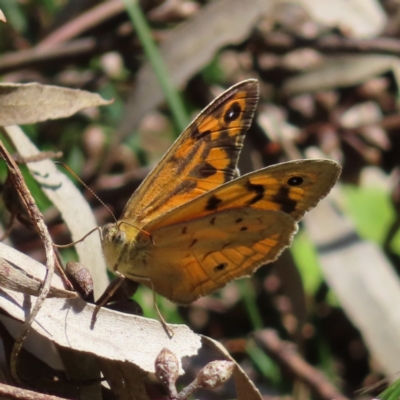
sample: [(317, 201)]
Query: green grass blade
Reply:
[(247, 293), (392, 392), (172, 96), (264, 363)]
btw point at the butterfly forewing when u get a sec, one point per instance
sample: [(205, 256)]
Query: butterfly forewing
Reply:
[(204, 157), (196, 258)]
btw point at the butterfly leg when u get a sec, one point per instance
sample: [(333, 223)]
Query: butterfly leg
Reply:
[(168, 330), (107, 295), (112, 289), (142, 279)]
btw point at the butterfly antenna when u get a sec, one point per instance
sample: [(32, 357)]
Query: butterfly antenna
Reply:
[(102, 202), (88, 188), (141, 230), (64, 246)]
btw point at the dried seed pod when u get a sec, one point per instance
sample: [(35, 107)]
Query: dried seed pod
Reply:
[(81, 279), (167, 370), (215, 374)]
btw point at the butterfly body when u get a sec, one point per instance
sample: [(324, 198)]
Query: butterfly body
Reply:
[(194, 225)]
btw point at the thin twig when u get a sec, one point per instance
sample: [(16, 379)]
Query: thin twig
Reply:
[(282, 42), (24, 58), (12, 392), (38, 222), (43, 155), (82, 23), (286, 355)]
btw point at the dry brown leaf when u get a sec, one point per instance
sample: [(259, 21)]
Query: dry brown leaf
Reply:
[(32, 102), (73, 207), (115, 336), (119, 340), (127, 379)]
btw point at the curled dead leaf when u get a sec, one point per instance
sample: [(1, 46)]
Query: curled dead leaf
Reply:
[(32, 102)]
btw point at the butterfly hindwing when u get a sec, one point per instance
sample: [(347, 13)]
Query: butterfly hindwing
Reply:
[(204, 156), (197, 257)]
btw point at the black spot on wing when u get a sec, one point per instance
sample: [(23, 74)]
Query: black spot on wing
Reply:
[(193, 243), (220, 267), (197, 135), (232, 146), (212, 221), (206, 170), (239, 220), (295, 181), (184, 230), (213, 203), (288, 205), (258, 191), (243, 228), (232, 113)]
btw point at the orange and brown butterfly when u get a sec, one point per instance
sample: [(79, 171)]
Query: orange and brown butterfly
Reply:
[(193, 225)]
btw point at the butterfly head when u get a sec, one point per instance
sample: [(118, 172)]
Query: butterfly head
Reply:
[(117, 239), (113, 240)]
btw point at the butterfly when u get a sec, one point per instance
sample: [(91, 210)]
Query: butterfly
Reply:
[(194, 225)]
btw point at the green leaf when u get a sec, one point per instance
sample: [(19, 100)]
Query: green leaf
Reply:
[(392, 392)]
